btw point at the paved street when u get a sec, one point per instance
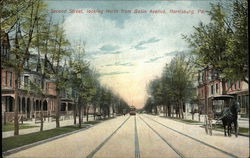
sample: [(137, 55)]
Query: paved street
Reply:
[(141, 136)]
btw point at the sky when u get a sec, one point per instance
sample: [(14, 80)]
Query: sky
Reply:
[(130, 49)]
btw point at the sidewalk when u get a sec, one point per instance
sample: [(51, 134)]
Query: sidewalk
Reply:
[(46, 126), (243, 122)]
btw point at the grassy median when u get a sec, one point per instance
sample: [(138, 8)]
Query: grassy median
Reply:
[(91, 122), (21, 140), (10, 127)]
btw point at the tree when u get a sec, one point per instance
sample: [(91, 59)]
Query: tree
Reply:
[(58, 49), (174, 87), (148, 105), (155, 90), (21, 20), (78, 71), (222, 45), (182, 74), (237, 44)]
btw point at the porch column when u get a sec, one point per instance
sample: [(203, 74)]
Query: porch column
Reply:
[(66, 109), (20, 104), (25, 107)]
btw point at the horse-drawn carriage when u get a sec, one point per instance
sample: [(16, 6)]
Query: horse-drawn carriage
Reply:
[(222, 110)]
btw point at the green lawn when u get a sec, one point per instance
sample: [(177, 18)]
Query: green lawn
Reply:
[(107, 118), (241, 129), (21, 140), (191, 121), (183, 120), (92, 122), (10, 127)]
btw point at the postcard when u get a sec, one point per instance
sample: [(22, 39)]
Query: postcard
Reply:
[(124, 78)]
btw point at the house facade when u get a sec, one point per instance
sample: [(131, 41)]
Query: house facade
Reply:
[(36, 93), (210, 85)]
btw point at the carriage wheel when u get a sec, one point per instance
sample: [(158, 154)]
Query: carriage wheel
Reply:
[(237, 129), (210, 127), (206, 124), (215, 125)]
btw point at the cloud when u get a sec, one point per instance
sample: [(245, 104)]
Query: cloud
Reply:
[(153, 59), (109, 48), (173, 53), (127, 64), (113, 73), (94, 54), (140, 45), (137, 41), (120, 64)]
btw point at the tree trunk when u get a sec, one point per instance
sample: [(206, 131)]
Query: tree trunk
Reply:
[(16, 109), (87, 113), (41, 127), (108, 112), (165, 110), (94, 111), (80, 114), (113, 110), (223, 83), (169, 110), (178, 110), (182, 109), (74, 114), (58, 109), (84, 110)]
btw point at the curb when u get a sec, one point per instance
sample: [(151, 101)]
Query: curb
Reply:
[(201, 123), (15, 150)]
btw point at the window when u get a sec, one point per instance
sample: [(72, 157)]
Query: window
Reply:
[(26, 81), (239, 85), (203, 76), (217, 88), (10, 79), (3, 78), (2, 48), (228, 84), (6, 78), (212, 89), (244, 104), (235, 86), (209, 76)]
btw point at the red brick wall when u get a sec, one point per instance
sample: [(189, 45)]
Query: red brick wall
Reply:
[(6, 79)]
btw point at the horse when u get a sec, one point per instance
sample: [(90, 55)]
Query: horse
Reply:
[(229, 116)]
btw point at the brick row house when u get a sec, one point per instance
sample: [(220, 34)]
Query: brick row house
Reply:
[(31, 102), (210, 85)]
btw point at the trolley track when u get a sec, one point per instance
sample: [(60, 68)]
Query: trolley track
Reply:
[(168, 143), (92, 153), (192, 138), (137, 147)]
